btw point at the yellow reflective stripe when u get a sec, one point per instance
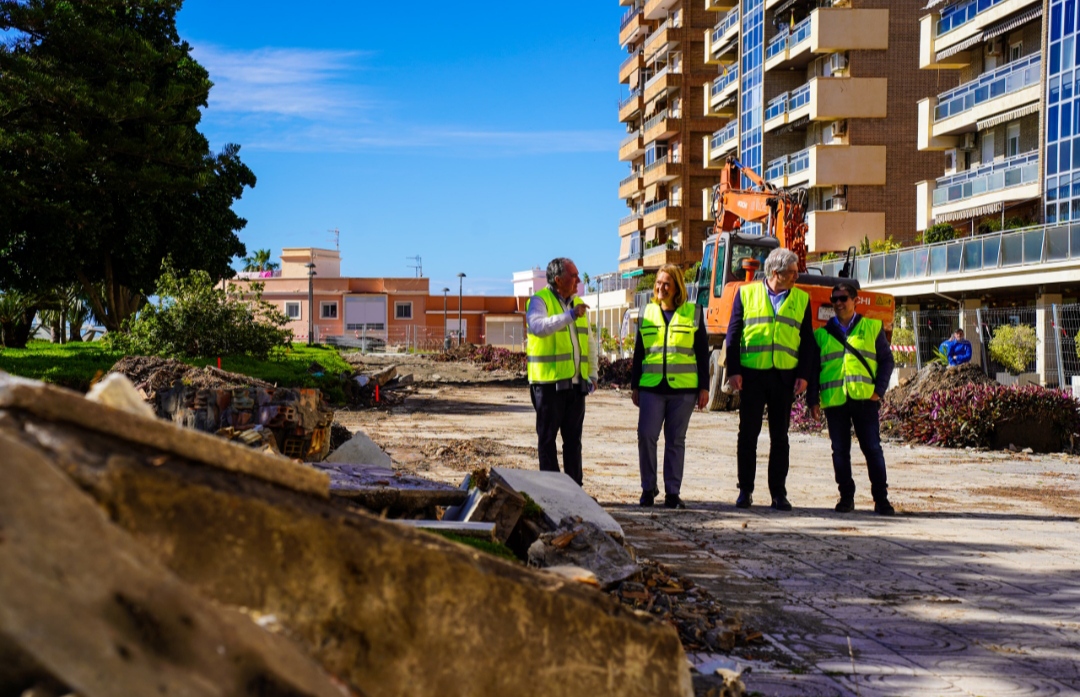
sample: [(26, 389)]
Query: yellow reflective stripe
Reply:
[(550, 359), (858, 378), (652, 368), (832, 356), (869, 355), (769, 348), (757, 320), (655, 349), (681, 350), (832, 384), (788, 320), (681, 368)]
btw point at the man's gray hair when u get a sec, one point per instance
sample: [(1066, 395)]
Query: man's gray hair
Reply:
[(556, 267), (778, 260)]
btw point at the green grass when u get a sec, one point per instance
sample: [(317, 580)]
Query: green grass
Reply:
[(496, 549), (75, 365)]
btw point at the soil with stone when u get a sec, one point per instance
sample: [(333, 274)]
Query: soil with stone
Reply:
[(152, 374), (934, 378)]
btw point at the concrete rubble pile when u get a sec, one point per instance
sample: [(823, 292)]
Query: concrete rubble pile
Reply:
[(139, 557), (380, 390)]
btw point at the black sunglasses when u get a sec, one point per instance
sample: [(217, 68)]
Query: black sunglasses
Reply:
[(840, 298)]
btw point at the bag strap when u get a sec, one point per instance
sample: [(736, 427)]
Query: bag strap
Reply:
[(835, 333)]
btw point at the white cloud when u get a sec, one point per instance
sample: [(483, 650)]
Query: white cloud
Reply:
[(308, 100)]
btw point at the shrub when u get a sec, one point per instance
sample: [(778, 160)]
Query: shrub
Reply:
[(941, 232), (903, 336), (1013, 346), (801, 419), (968, 416), (193, 318), (886, 245), (646, 283)]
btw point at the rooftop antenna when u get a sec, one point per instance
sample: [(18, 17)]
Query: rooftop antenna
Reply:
[(418, 265), (337, 238)]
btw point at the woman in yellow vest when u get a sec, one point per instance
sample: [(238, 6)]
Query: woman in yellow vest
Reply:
[(853, 369), (670, 375)]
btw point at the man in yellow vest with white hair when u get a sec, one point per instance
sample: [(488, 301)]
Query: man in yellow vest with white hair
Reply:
[(852, 375), (561, 366), (770, 356)]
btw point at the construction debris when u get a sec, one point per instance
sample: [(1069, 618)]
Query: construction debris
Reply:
[(382, 490), (935, 377), (487, 357), (360, 450), (559, 497), (584, 544)]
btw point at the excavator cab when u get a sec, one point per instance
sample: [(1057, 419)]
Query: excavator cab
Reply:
[(737, 258)]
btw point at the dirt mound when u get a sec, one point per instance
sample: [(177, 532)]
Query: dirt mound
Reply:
[(486, 357), (152, 375), (934, 378)]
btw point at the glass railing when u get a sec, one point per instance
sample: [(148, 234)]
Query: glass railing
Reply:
[(962, 13), (799, 162), (631, 97), (722, 82), (1014, 171), (653, 207), (722, 27), (776, 168), (628, 16), (800, 33), (630, 59), (1008, 248), (778, 44), (799, 97), (725, 134), (1007, 79), (788, 38), (776, 107)]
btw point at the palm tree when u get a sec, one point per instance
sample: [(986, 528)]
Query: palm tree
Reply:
[(259, 261)]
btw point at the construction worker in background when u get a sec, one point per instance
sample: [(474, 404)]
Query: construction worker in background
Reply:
[(562, 366), (957, 350), (853, 368), (770, 353)]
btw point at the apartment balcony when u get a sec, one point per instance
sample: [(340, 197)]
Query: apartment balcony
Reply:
[(631, 105), (961, 26), (828, 30), (634, 62), (787, 107), (630, 224), (662, 170), (1012, 89), (722, 41), (788, 170), (720, 144), (661, 126), (657, 9), (655, 257), (632, 25), (721, 94), (720, 5), (966, 194), (631, 186), (661, 213), (667, 79), (830, 99), (837, 230), (663, 37), (630, 252), (631, 147), (829, 165)]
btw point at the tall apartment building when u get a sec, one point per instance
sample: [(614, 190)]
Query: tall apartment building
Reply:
[(988, 120), (664, 116), (813, 93)]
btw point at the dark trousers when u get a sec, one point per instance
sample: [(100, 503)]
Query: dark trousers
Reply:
[(776, 390), (559, 410), (863, 416), (670, 412)]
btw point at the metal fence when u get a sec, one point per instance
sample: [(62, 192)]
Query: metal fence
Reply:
[(931, 328)]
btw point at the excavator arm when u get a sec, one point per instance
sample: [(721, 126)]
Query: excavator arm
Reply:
[(782, 212)]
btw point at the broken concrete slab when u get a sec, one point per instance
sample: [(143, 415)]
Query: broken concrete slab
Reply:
[(385, 375), (66, 406), (360, 450), (379, 489), (559, 496), (584, 544), (85, 607), (502, 506), (389, 609)]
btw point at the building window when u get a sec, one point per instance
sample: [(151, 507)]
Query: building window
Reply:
[(328, 310), (1012, 139), (403, 310), (292, 310)]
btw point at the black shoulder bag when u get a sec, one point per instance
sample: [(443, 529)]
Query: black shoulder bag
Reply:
[(835, 333)]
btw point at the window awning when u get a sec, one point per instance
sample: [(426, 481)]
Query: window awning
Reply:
[(968, 213), (797, 123), (1016, 113), (1007, 25), (962, 46)]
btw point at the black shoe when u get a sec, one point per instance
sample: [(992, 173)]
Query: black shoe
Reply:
[(781, 503), (673, 501), (647, 497), (744, 500), (845, 505), (883, 507)]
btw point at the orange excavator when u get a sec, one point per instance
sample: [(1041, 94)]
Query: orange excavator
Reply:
[(732, 258)]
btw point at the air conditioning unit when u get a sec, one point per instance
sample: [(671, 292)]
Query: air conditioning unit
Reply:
[(837, 63), (839, 128), (838, 203), (993, 46), (950, 161), (839, 190), (967, 142)]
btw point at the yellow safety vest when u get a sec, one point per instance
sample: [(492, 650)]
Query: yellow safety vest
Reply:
[(843, 376), (669, 348), (551, 358), (770, 339)]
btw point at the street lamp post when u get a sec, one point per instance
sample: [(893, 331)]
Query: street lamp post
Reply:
[(310, 266), (460, 280), (445, 338)]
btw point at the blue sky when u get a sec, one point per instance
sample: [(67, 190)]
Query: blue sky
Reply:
[(482, 136)]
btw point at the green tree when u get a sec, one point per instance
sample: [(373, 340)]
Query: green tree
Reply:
[(941, 232), (103, 172), (260, 261), (1013, 346), (17, 312)]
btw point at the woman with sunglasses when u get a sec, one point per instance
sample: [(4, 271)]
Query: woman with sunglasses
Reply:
[(670, 375), (853, 369)]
